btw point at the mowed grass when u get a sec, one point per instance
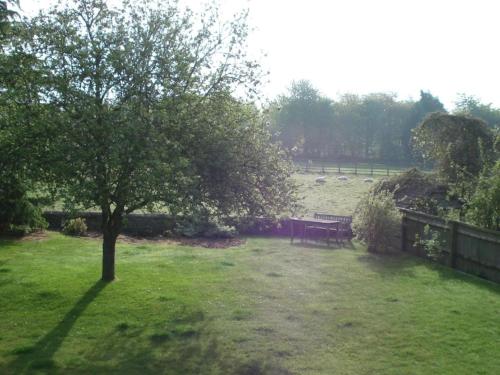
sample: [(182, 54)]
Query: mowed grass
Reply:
[(333, 196), (266, 307)]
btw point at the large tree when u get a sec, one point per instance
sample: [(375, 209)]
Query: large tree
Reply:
[(460, 145), (6, 15), (426, 105), (304, 120), (142, 114), (19, 210)]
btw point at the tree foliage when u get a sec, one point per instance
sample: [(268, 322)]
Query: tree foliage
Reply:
[(460, 145), (471, 106), (302, 120), (484, 208), (142, 114), (353, 127), (6, 16), (19, 211)]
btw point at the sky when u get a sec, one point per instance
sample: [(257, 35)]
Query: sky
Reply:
[(362, 46)]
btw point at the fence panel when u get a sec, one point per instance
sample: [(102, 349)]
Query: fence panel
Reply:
[(465, 247)]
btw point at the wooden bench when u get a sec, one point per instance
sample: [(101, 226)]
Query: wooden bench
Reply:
[(345, 222)]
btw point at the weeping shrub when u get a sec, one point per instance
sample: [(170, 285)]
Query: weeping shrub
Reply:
[(19, 215), (377, 221)]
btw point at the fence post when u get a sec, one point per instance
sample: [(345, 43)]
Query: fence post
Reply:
[(404, 231), (371, 169), (356, 168), (453, 225)]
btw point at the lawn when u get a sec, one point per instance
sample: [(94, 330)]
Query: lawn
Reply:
[(266, 307), (333, 196)]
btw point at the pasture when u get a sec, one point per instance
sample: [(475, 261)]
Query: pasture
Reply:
[(335, 196), (266, 307)]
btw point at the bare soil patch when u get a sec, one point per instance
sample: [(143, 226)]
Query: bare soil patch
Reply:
[(35, 236)]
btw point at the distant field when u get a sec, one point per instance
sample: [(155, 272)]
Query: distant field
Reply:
[(334, 196)]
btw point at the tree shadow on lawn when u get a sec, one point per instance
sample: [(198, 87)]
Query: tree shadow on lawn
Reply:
[(323, 245), (447, 273), (173, 354), (39, 356), (390, 265), (402, 264), (6, 241), (184, 346)]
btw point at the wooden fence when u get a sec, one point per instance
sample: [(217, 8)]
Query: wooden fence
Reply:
[(344, 167), (464, 247)]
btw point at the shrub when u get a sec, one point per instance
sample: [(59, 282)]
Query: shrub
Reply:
[(431, 242), (75, 227), (19, 215), (202, 226), (484, 207), (377, 221)]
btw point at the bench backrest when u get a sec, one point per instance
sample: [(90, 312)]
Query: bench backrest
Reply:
[(342, 219), (345, 221)]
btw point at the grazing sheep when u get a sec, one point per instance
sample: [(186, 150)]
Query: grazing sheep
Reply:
[(342, 178), (368, 180), (321, 179)]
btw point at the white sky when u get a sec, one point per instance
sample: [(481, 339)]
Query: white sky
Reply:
[(362, 46)]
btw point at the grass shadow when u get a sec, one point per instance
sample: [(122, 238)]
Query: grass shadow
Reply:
[(390, 265), (401, 264), (8, 240), (39, 356), (319, 245), (180, 355), (447, 273)]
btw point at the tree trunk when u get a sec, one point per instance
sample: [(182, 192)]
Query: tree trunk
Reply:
[(108, 255), (111, 226)]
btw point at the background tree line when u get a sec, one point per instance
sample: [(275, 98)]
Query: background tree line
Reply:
[(353, 127)]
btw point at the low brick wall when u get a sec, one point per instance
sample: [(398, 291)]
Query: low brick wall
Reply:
[(134, 224), (263, 226), (158, 224)]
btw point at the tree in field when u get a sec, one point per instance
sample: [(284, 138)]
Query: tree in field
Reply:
[(142, 114), (304, 120), (426, 105), (469, 105), (460, 145), (349, 121)]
